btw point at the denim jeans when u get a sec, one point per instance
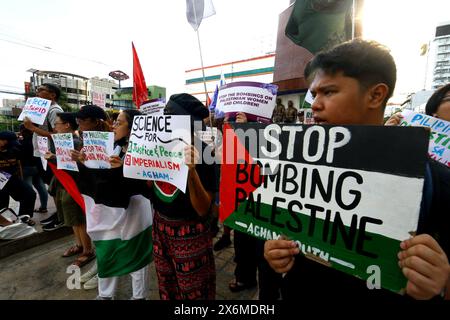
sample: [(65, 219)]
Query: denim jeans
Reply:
[(32, 178)]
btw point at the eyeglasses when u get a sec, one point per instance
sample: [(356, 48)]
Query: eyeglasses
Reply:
[(42, 89)]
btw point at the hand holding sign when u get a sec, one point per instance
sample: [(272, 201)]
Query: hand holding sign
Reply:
[(115, 162), (280, 254), (425, 265), (394, 120), (191, 156)]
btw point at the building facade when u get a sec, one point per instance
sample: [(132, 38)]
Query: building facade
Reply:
[(441, 56), (258, 69), (123, 97), (78, 89)]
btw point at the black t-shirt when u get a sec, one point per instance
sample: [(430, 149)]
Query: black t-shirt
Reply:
[(169, 201), (174, 204)]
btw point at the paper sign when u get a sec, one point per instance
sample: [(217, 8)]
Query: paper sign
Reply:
[(308, 116), (99, 99), (438, 149), (63, 145), (4, 178), (257, 100), (98, 147), (326, 187), (36, 110), (156, 149), (43, 148), (155, 107)]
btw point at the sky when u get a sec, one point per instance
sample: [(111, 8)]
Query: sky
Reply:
[(93, 37)]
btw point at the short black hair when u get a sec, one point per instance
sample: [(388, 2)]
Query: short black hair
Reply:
[(53, 88), (69, 117), (368, 62), (436, 99)]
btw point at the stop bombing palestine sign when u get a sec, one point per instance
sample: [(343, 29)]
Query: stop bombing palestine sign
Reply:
[(347, 195)]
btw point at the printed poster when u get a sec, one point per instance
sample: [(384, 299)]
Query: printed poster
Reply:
[(347, 195), (63, 147), (36, 110), (156, 149)]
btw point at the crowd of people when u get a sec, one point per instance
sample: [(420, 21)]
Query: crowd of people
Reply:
[(351, 85)]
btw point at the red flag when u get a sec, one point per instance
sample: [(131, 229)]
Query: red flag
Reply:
[(69, 184), (140, 93), (208, 100)]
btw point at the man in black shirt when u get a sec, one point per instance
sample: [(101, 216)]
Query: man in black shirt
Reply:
[(351, 85)]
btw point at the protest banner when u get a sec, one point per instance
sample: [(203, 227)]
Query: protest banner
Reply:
[(63, 145), (4, 178), (36, 110), (154, 107), (99, 99), (308, 116), (347, 195), (257, 100), (439, 147), (156, 150), (98, 147), (43, 148)]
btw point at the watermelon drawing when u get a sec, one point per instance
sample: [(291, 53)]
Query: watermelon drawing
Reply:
[(165, 191)]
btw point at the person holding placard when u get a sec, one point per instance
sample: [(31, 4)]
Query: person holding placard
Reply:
[(118, 211), (183, 252), (351, 84), (31, 174), (68, 210), (437, 106), (50, 92), (107, 286), (11, 178)]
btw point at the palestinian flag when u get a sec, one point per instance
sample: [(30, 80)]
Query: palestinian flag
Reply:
[(347, 195), (119, 221)]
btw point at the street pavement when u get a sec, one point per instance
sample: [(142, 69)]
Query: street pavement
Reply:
[(40, 273)]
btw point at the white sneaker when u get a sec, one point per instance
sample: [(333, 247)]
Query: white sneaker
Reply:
[(92, 283), (89, 274)]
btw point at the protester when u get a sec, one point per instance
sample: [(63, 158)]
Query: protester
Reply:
[(437, 106), (50, 92), (351, 85), (183, 252), (115, 207), (20, 191), (67, 209), (251, 268), (90, 118), (31, 174)]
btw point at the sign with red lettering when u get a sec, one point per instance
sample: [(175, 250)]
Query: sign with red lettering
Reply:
[(156, 149), (99, 99), (98, 147), (347, 195), (36, 110)]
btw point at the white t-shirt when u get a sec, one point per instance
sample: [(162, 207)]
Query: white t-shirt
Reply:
[(50, 119)]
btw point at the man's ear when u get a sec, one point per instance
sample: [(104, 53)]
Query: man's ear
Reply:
[(377, 95)]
